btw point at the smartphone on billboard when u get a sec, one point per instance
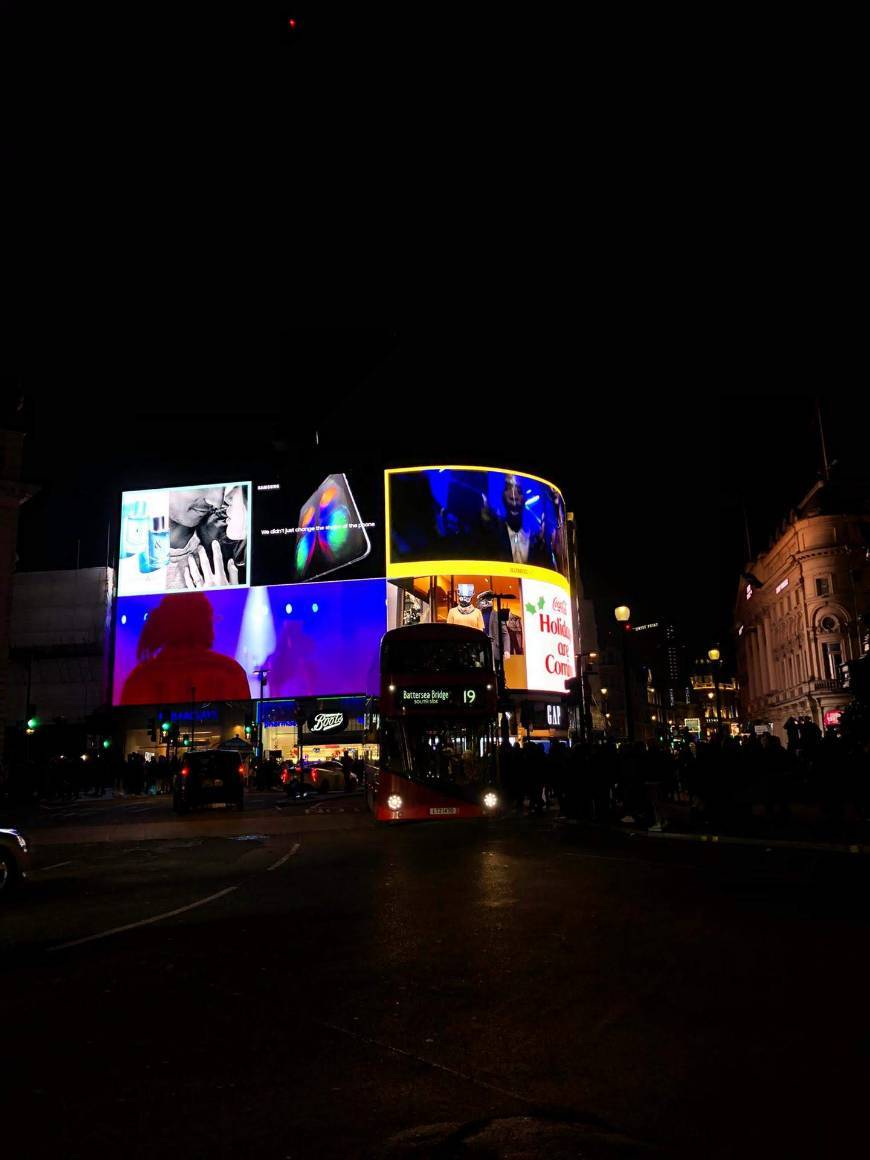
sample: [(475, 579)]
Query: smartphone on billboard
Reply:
[(330, 533)]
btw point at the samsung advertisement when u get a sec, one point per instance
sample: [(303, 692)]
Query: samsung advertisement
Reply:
[(463, 519)]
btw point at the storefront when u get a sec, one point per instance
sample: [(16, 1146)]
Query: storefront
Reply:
[(205, 725), (327, 727)]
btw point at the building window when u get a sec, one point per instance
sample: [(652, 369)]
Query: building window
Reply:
[(828, 624), (823, 586), (833, 659)]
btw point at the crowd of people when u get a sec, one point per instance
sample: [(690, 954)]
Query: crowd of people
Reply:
[(729, 784)]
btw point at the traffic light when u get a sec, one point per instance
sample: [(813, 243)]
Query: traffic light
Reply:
[(107, 743), (249, 724), (186, 739), (152, 728), (165, 726)]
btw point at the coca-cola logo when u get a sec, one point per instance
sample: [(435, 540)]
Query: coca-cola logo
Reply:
[(560, 605), (324, 722)]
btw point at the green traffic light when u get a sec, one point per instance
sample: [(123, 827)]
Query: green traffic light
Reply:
[(165, 726), (33, 722), (107, 742)]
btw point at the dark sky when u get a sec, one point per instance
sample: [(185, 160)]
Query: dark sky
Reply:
[(655, 463)]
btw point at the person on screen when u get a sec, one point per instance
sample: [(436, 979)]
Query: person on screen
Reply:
[(176, 657), (199, 519), (514, 537)]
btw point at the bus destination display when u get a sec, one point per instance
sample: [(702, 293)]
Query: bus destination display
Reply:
[(433, 698)]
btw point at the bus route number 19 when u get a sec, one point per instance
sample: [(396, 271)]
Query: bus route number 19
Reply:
[(469, 696)]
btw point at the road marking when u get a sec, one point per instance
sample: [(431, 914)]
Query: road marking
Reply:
[(54, 866), (289, 854), (587, 1118), (144, 922), (427, 1062)]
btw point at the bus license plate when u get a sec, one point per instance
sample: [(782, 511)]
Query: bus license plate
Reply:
[(443, 810)]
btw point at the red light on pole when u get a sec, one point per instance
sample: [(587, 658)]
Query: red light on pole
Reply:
[(291, 23)]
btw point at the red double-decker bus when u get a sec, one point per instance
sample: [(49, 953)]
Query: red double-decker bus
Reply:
[(437, 725)]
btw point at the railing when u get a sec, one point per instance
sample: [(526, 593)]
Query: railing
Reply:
[(779, 696)]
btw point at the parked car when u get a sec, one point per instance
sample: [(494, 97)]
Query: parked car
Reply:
[(209, 775), (14, 859)]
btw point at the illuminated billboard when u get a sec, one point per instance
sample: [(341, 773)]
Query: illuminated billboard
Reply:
[(319, 526), (549, 636), (295, 528), (474, 520), (181, 539), (315, 640)]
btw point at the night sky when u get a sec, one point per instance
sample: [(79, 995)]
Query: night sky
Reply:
[(656, 466)]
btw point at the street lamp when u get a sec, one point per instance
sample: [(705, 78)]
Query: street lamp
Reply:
[(585, 715), (622, 614), (263, 674), (713, 656)]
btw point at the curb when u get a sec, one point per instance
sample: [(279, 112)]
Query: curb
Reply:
[(767, 843), (728, 839)]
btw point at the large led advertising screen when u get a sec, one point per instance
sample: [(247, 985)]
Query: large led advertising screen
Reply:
[(294, 528), (180, 539), (308, 527), (548, 636), (473, 519), (315, 639)]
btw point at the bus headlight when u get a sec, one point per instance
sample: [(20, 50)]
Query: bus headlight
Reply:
[(394, 801), (490, 800)]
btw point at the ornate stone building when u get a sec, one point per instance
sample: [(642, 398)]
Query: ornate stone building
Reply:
[(800, 607)]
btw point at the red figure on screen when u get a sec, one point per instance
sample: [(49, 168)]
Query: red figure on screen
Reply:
[(175, 656)]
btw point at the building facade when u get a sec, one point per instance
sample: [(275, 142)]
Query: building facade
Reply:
[(13, 493), (59, 660), (799, 611)]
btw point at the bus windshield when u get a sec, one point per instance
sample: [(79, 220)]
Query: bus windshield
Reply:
[(445, 752)]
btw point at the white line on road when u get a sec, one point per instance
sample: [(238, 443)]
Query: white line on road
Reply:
[(144, 922), (54, 866), (427, 1062), (289, 854)]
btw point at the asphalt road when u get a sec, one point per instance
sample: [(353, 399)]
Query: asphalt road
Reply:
[(317, 987)]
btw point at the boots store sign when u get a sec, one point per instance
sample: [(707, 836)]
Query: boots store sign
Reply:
[(327, 723), (549, 636)]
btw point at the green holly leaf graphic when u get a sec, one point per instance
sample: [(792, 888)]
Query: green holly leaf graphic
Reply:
[(530, 608), (540, 602)]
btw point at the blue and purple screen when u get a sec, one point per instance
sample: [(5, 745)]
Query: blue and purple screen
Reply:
[(315, 640)]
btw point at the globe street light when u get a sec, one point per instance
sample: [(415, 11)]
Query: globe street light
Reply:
[(713, 656), (622, 614)]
